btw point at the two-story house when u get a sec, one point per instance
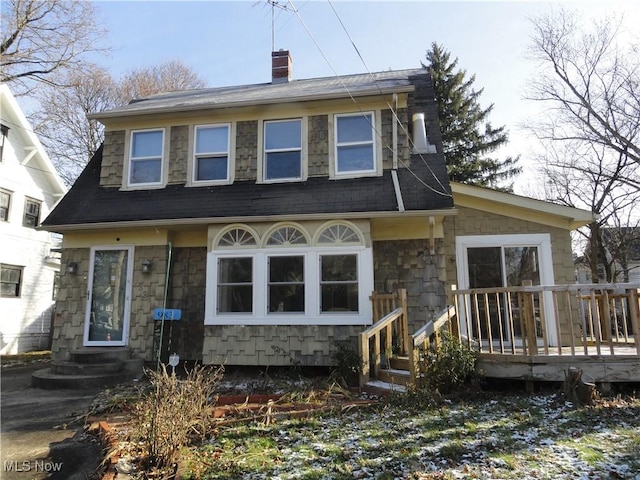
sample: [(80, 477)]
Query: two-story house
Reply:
[(267, 214), (29, 259)]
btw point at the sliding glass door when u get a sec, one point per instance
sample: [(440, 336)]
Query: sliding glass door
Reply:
[(502, 261)]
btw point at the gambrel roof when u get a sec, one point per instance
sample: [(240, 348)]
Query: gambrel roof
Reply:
[(422, 189)]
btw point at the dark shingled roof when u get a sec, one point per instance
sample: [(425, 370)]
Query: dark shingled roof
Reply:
[(88, 203)]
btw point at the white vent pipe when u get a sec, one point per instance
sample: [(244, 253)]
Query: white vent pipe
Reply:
[(420, 141)]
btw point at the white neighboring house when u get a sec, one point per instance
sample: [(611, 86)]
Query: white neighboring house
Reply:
[(29, 258)]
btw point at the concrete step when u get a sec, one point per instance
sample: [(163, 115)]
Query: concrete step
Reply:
[(90, 368), (46, 379), (394, 376), (74, 368), (100, 354)]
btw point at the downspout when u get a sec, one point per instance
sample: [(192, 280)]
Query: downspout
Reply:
[(394, 171), (164, 305)]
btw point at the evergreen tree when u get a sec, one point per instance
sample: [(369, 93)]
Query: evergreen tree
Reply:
[(467, 136)]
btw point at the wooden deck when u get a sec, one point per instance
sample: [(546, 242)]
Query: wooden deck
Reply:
[(531, 333)]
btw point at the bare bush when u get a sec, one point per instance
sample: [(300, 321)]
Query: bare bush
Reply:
[(174, 414)]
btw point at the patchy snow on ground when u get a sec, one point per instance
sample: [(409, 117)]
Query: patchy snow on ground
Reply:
[(506, 437)]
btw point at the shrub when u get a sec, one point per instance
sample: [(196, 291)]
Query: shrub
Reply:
[(447, 368), (347, 364), (173, 413)]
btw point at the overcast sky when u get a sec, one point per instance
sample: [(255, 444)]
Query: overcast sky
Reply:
[(230, 43)]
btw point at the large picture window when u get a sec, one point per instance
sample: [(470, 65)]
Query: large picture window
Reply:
[(283, 149), (146, 153), (355, 146), (211, 153), (289, 277)]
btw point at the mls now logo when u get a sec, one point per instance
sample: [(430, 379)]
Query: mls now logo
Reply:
[(32, 466)]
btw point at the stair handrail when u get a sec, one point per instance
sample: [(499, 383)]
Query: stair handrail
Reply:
[(399, 314), (422, 335)]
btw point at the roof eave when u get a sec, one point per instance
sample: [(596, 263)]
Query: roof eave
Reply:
[(194, 222), (121, 113)]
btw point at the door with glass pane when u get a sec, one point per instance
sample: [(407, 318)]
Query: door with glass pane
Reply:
[(487, 262), (109, 297)]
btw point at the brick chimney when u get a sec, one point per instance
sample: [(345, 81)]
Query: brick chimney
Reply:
[(280, 66)]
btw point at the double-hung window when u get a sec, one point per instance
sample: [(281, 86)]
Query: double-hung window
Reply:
[(31, 213), (235, 285), (338, 283), (10, 280), (5, 203), (354, 143), (283, 150), (146, 154), (211, 153), (285, 283)]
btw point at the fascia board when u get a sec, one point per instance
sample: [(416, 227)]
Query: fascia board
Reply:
[(176, 109), (188, 222), (521, 207)]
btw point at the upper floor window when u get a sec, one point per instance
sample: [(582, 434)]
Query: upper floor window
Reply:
[(145, 165), (283, 149), (31, 213), (10, 280), (4, 134), (5, 203), (211, 153), (355, 146)]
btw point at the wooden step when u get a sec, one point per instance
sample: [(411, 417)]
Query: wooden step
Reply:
[(394, 376), (399, 363)]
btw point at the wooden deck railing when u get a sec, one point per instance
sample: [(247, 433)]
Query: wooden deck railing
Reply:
[(389, 333), (594, 319)]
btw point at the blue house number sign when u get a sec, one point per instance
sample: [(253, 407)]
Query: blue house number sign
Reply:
[(167, 314)]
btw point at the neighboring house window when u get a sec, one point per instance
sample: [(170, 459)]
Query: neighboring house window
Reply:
[(145, 166), (284, 278), (283, 149), (10, 280), (354, 143), (211, 153), (5, 203), (31, 213), (56, 285), (4, 135)]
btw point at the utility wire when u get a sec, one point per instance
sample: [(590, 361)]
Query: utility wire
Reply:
[(388, 104)]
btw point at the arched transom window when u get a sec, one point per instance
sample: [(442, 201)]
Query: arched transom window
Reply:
[(237, 237), (339, 234), (287, 235)]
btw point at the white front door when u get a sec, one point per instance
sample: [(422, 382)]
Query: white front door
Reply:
[(109, 296)]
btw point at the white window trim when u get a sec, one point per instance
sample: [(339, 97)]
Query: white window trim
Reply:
[(545, 260), (312, 314), (333, 146), (231, 160), (128, 290), (163, 171), (303, 151)]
